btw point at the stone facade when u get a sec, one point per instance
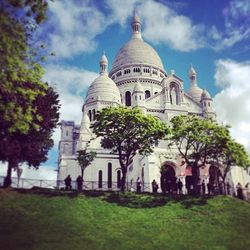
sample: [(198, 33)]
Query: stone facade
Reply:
[(137, 79)]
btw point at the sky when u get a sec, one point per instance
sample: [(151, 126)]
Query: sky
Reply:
[(212, 35)]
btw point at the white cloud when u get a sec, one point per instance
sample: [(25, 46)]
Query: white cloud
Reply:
[(122, 11), (71, 84), (43, 173), (167, 27), (237, 25), (233, 103), (72, 27)]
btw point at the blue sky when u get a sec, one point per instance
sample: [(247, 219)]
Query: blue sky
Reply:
[(212, 35)]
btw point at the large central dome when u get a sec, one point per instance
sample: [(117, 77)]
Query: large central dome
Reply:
[(136, 51)]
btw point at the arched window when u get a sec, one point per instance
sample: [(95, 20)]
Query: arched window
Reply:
[(93, 114), (109, 175), (126, 71), (100, 179), (147, 94), (128, 98), (90, 116), (119, 179), (137, 70)]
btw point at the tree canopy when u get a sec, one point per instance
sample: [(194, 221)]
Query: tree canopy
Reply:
[(33, 146), (127, 132), (20, 73), (231, 154), (203, 141), (84, 159), (28, 106)]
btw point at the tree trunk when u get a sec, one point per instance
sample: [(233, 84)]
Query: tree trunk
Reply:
[(7, 180), (224, 187), (123, 180), (195, 173)]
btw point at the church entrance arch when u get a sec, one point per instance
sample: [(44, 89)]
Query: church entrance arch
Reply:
[(168, 179)]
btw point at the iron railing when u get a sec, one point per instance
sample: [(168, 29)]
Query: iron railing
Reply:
[(91, 185), (60, 184)]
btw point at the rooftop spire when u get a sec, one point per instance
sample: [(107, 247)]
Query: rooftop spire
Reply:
[(104, 64), (192, 76), (136, 25)]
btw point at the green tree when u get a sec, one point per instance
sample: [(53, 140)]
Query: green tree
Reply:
[(32, 147), (197, 139), (128, 132), (227, 156), (32, 10), (84, 159), (18, 65)]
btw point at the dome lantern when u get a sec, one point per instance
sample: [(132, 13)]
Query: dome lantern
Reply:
[(192, 74), (104, 64), (136, 26), (194, 91)]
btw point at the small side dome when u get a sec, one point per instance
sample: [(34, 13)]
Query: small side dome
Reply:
[(138, 87), (195, 92), (103, 88), (205, 95)]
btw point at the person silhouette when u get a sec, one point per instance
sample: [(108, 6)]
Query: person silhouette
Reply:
[(138, 185), (154, 186), (179, 186), (79, 182), (67, 182), (239, 191)]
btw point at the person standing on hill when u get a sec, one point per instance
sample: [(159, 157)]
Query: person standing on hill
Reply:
[(138, 185), (154, 186), (239, 191), (179, 185), (67, 182), (79, 182), (203, 187)]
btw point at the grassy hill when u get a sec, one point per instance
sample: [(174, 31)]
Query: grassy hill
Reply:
[(35, 221)]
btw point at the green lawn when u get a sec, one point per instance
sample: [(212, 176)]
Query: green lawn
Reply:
[(32, 221)]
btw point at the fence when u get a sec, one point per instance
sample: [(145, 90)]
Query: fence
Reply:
[(87, 185)]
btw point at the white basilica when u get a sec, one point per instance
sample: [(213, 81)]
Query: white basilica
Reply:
[(137, 79)]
